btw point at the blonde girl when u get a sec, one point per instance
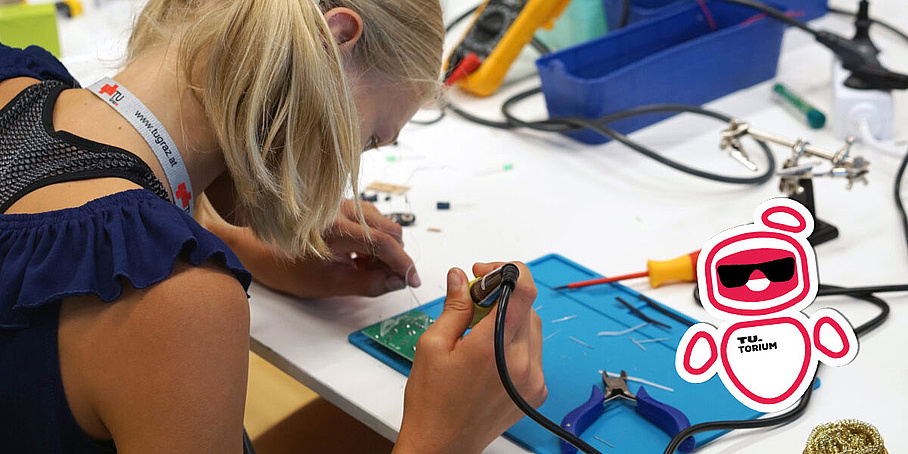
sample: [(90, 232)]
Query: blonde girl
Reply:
[(124, 324)]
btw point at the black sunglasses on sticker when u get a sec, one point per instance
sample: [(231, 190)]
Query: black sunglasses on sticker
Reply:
[(779, 270)]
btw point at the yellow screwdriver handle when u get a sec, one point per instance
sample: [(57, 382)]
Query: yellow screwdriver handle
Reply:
[(680, 269)]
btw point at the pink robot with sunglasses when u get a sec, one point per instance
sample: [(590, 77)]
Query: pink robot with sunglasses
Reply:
[(758, 278)]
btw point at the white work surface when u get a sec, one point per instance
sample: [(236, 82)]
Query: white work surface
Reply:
[(605, 207)]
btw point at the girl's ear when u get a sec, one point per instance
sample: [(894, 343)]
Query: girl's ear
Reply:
[(346, 26)]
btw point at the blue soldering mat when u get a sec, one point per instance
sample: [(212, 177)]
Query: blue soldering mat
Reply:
[(572, 368)]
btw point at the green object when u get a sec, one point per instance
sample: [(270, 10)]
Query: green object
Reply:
[(582, 21), (399, 334), (23, 25), (391, 158), (508, 167), (798, 106)]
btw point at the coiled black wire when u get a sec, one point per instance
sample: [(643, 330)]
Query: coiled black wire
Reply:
[(569, 124)]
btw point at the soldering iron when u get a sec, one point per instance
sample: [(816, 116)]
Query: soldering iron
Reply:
[(486, 290)]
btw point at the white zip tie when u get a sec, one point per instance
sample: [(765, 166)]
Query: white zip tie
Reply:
[(639, 380), (603, 441), (645, 341), (580, 342), (638, 344), (550, 336), (564, 319), (622, 332)]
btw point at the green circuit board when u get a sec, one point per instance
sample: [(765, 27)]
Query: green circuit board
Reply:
[(399, 334)]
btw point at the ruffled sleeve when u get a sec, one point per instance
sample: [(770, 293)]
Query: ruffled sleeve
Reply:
[(132, 237), (34, 62)]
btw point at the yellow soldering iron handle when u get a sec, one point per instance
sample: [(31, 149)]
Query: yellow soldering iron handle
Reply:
[(484, 291)]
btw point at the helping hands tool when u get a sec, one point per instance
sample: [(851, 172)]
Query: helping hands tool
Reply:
[(796, 176), (679, 269), (665, 417)]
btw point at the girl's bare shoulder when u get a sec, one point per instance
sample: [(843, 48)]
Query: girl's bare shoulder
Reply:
[(163, 366)]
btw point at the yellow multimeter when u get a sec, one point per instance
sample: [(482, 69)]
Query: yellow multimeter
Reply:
[(500, 29)]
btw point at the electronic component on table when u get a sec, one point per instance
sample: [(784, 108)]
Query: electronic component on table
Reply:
[(501, 29), (667, 418), (404, 219), (679, 269), (400, 334)]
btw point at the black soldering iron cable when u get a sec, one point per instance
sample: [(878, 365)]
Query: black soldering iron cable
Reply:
[(502, 365)]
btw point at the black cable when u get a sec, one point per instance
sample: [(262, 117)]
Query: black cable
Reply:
[(540, 46), (460, 18), (855, 291), (883, 24), (625, 13), (478, 120), (248, 448), (870, 325), (568, 124), (796, 412), (898, 196), (441, 116), (507, 286)]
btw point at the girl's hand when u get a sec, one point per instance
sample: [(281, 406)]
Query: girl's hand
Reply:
[(454, 401), (359, 266)]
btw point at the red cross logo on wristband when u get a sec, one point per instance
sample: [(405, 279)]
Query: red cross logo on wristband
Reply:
[(113, 91), (183, 194), (108, 89)]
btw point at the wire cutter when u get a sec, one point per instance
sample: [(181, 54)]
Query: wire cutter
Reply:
[(666, 417)]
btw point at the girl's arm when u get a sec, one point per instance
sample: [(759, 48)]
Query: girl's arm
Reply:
[(381, 264), (164, 368)]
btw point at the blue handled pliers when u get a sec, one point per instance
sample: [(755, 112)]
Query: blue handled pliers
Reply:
[(665, 417)]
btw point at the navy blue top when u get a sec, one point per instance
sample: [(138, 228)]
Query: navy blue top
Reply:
[(132, 237)]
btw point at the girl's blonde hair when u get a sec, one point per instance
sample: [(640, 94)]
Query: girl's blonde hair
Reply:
[(271, 80)]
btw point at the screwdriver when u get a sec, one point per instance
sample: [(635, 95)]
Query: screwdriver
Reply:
[(679, 269)]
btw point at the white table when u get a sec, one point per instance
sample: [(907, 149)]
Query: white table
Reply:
[(605, 207)]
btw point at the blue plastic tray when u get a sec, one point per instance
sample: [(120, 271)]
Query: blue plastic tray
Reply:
[(571, 369), (642, 10), (673, 58)]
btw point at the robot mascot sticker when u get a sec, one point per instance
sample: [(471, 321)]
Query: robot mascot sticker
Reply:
[(757, 278)]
